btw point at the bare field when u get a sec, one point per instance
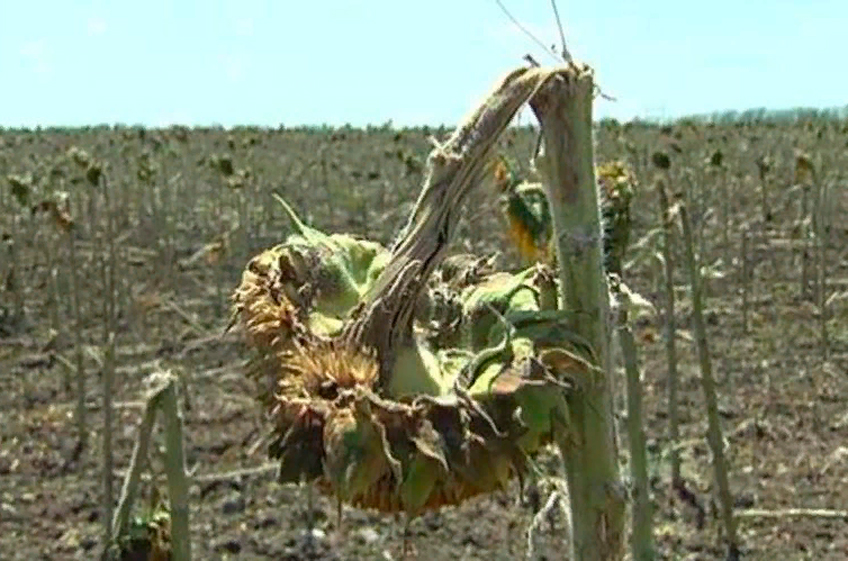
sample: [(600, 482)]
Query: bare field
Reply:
[(187, 208)]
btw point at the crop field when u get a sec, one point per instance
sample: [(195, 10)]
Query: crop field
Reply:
[(166, 220)]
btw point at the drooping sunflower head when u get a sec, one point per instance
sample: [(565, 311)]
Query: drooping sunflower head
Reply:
[(263, 305), (617, 182), (617, 187), (325, 368)]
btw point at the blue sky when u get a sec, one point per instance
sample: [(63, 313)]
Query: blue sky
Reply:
[(157, 62)]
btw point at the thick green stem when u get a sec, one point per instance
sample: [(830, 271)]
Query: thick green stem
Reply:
[(564, 109)]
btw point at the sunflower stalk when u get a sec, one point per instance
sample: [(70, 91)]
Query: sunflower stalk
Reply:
[(178, 481), (566, 165), (109, 264), (670, 328), (162, 397), (129, 491), (714, 433), (14, 273), (81, 417), (641, 539)]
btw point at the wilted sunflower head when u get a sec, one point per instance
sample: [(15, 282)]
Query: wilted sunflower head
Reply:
[(261, 304), (325, 368), (617, 182)]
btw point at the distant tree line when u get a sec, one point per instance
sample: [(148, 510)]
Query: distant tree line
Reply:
[(754, 116)]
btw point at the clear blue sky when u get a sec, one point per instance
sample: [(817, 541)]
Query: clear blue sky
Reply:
[(157, 62)]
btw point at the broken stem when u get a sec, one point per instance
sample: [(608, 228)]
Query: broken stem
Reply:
[(137, 463), (566, 165), (178, 481), (453, 169)]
